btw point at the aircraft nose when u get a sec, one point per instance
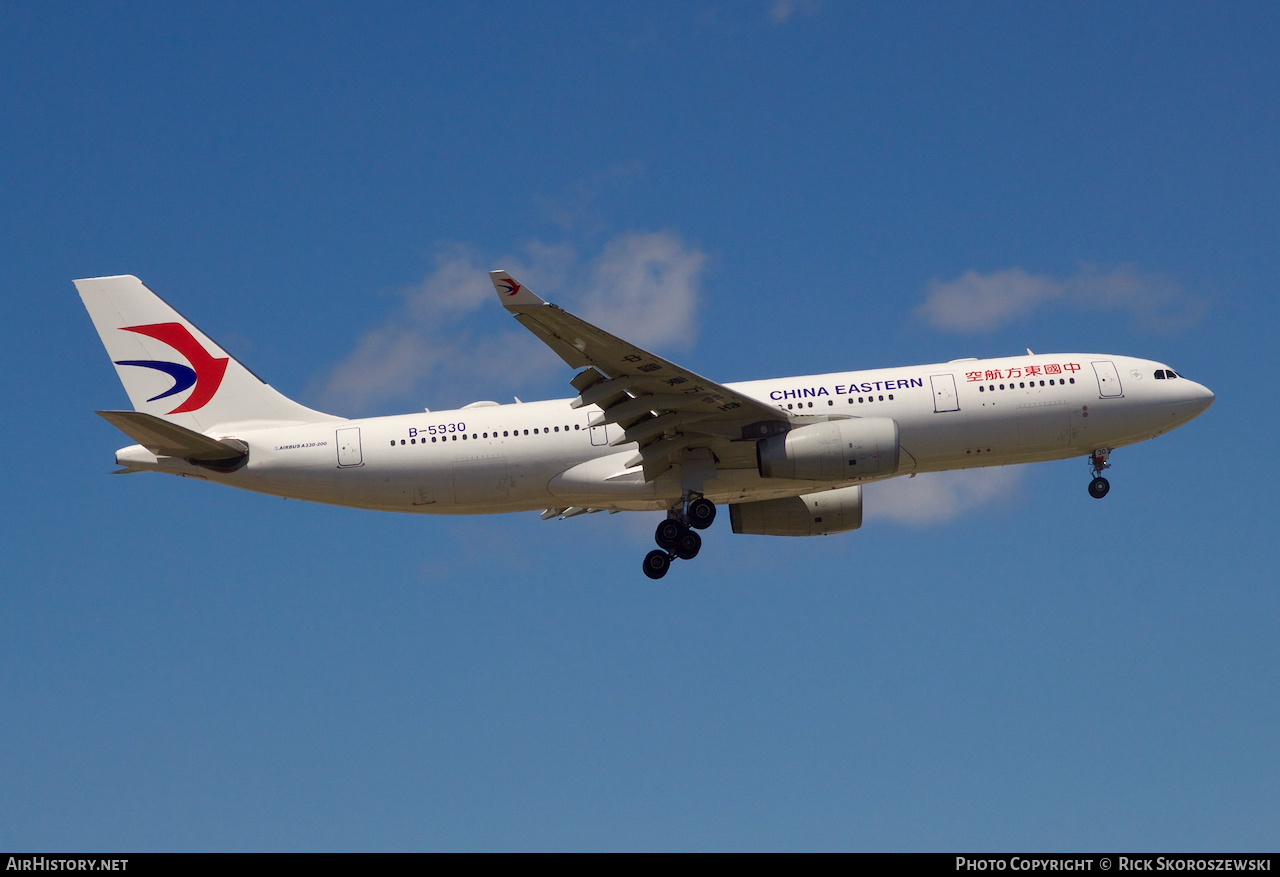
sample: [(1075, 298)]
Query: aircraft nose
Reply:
[(1199, 397), (1196, 398)]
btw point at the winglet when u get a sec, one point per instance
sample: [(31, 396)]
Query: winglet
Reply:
[(511, 293)]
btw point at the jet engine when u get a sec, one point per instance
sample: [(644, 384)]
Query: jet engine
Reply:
[(837, 450), (812, 514)]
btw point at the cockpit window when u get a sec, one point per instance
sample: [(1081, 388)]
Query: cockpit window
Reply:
[(1159, 374), (1169, 373)]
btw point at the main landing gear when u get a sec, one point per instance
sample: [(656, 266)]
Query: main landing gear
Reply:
[(677, 536), (1098, 461)]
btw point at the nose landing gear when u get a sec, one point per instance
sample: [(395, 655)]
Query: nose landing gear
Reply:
[(677, 536), (1098, 462)]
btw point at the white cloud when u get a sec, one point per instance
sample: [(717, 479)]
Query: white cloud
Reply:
[(939, 496), (451, 339), (782, 10), (975, 301), (645, 287), (982, 302)]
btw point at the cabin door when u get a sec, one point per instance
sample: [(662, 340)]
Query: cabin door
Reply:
[(944, 393), (1108, 379), (348, 441)]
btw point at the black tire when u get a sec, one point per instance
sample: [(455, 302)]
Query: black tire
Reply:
[(688, 545), (656, 564), (702, 512), (1098, 487), (667, 533)]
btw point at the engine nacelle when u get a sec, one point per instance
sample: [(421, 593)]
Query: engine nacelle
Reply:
[(812, 514), (838, 450)]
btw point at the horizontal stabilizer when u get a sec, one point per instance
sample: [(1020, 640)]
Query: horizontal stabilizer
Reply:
[(165, 439)]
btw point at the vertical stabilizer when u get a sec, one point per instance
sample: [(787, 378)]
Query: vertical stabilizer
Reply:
[(172, 370)]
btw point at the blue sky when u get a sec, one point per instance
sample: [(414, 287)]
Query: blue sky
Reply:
[(995, 661)]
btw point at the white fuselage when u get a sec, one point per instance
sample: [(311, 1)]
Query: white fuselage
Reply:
[(493, 458)]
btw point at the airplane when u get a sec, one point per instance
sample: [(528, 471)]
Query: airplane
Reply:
[(788, 456)]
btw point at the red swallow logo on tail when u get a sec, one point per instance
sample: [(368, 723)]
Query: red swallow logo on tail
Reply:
[(205, 372)]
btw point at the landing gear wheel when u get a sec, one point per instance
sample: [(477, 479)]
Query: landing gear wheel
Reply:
[(667, 533), (1098, 487), (656, 564), (702, 512), (688, 545)]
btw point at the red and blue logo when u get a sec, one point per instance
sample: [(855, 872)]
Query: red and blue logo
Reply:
[(205, 372), (510, 285)]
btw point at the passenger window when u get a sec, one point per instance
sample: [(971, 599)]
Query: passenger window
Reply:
[(890, 397), (1073, 380), (401, 441)]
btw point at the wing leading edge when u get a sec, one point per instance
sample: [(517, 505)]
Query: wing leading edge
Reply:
[(665, 409)]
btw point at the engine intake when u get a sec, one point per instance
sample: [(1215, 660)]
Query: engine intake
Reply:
[(838, 450), (812, 514)]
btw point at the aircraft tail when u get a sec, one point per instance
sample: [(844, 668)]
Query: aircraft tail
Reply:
[(174, 371)]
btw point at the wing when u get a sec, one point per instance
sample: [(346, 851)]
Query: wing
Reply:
[(665, 409)]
